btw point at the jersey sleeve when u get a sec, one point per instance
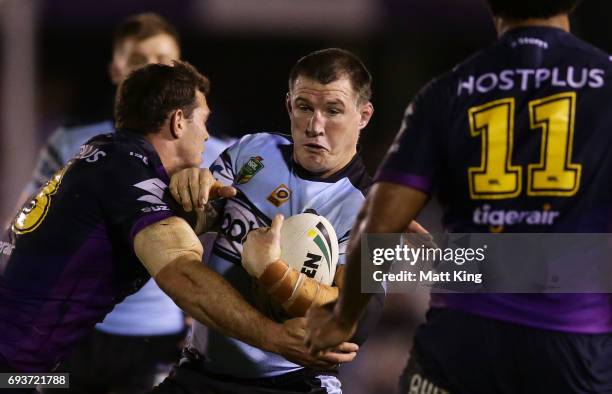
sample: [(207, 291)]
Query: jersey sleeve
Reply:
[(134, 196), (342, 247), (413, 158), (223, 167)]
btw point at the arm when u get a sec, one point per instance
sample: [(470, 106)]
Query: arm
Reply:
[(293, 290), (389, 208), (172, 254)]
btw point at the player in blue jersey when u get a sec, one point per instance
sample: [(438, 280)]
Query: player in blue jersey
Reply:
[(144, 330), (316, 169), (103, 225), (521, 126)]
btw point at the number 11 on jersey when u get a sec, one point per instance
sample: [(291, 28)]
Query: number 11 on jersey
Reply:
[(554, 175)]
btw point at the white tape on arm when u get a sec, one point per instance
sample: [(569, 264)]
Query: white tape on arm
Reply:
[(165, 241)]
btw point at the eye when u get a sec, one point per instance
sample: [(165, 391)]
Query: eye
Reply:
[(334, 111), (304, 108), (137, 59)]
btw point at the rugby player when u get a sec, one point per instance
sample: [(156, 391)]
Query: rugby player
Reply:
[(142, 332), (102, 226), (520, 126), (316, 169)]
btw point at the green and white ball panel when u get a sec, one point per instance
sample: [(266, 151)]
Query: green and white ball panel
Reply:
[(309, 245)]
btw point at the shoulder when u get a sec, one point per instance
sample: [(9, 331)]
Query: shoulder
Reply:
[(119, 151), (259, 144), (264, 139), (67, 140)]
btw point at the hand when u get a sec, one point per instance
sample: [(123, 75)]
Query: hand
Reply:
[(194, 187), (262, 247), (290, 344), (418, 235), (325, 330)]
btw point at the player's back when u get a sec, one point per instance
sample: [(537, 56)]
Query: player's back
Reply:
[(524, 138), (527, 131)]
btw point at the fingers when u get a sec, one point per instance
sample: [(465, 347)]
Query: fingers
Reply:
[(219, 190), (184, 195), (337, 358), (277, 224), (205, 183), (346, 347), (193, 187), (174, 188), (415, 227)]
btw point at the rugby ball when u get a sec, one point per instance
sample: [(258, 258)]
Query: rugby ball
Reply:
[(309, 245)]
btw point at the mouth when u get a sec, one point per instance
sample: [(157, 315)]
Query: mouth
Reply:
[(315, 147)]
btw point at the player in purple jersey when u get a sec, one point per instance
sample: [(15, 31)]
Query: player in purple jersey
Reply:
[(103, 225), (513, 139)]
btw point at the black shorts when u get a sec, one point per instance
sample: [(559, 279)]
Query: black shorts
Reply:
[(456, 352), (189, 378), (104, 363)]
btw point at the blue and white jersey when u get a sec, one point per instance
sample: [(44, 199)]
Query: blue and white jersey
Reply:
[(149, 311), (268, 180)]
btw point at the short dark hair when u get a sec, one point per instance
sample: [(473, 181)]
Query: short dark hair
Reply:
[(525, 9), (142, 26), (329, 65), (149, 94)]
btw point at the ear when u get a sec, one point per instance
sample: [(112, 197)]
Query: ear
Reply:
[(114, 73), (177, 123), (365, 111), (288, 103)]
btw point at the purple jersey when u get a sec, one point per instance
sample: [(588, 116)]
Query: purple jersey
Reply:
[(68, 257), (517, 139)]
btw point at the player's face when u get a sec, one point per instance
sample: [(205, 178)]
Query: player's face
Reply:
[(195, 134), (132, 54), (325, 124)]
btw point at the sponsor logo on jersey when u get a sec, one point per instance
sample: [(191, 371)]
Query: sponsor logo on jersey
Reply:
[(90, 153), (527, 79), (34, 212), (280, 195), (419, 385), (497, 219), (155, 188), (6, 248), (249, 169), (321, 239), (141, 157)]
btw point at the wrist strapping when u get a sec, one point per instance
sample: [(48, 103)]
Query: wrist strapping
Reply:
[(293, 290)]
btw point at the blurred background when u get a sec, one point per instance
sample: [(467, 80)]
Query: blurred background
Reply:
[(54, 58)]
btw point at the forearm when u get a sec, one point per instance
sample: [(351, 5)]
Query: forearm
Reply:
[(370, 318), (210, 299), (293, 290), (172, 254), (388, 208)]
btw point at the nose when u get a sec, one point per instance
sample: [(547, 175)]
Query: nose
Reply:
[(316, 124)]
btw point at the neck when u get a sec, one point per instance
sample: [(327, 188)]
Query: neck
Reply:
[(559, 21), (325, 174), (167, 153)]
